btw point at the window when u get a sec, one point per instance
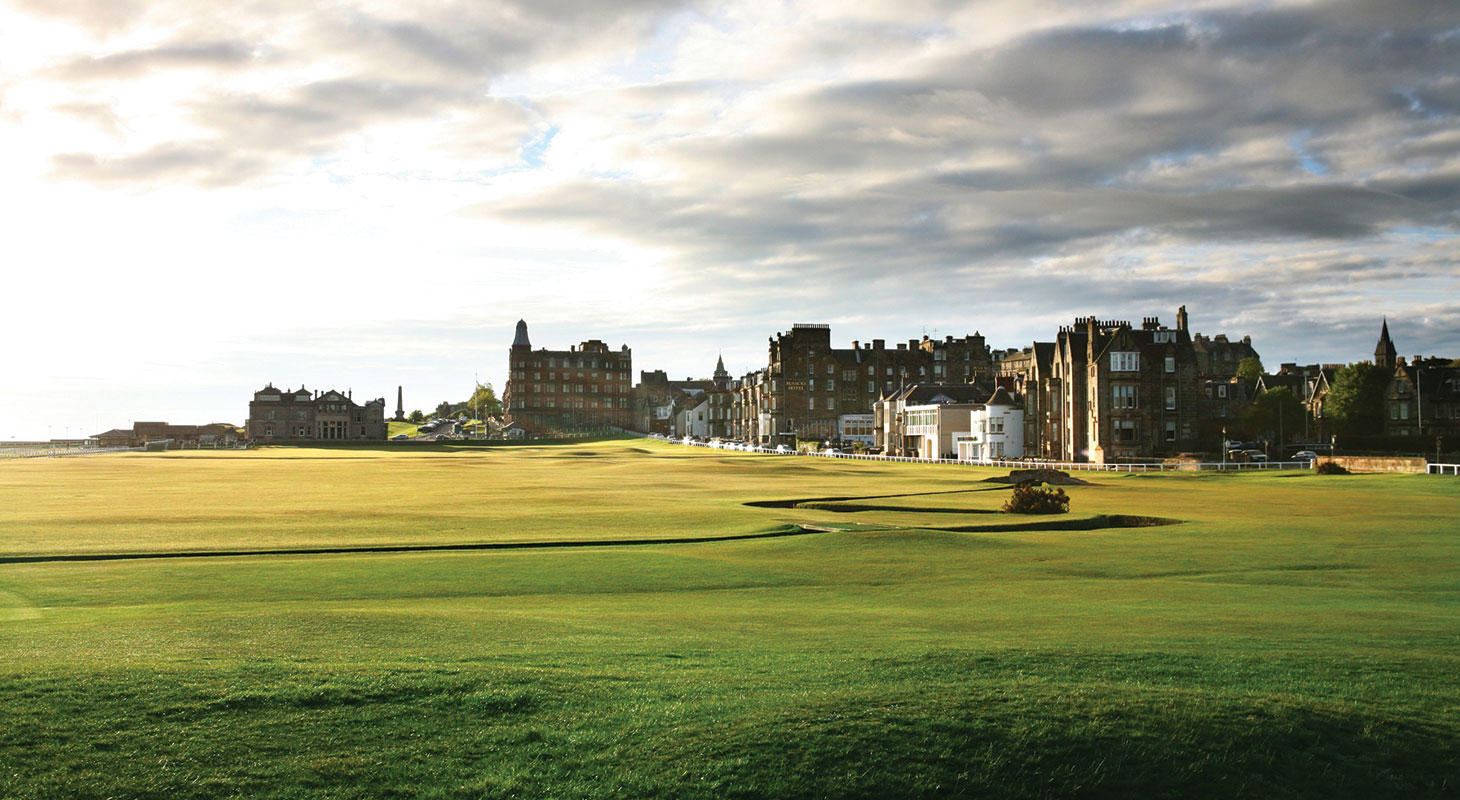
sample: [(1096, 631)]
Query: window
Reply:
[(1125, 430), (996, 424), (871, 386), (1171, 431), (1161, 337), (1123, 395), (831, 384), (1394, 411), (831, 404), (1125, 361), (1170, 398), (831, 369), (1170, 363), (1222, 390), (811, 403)]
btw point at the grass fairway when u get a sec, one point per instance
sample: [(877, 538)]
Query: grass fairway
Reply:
[(1294, 636)]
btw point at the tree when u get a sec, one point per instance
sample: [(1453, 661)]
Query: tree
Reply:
[(1275, 412), (443, 410), (416, 416), (1250, 369), (484, 401), (1355, 401)]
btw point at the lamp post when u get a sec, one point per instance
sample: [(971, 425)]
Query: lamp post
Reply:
[(1224, 447)]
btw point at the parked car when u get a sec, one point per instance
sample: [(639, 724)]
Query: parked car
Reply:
[(1256, 456), (832, 451), (1305, 455), (399, 437)]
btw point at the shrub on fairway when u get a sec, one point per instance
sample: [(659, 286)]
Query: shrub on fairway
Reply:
[(1031, 499), (1330, 468)]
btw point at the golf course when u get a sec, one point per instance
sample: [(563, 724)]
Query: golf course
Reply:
[(634, 619)]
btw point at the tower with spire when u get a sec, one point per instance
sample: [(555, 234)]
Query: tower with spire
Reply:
[(1385, 354), (721, 378)]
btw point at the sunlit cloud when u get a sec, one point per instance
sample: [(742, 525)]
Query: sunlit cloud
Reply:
[(372, 193)]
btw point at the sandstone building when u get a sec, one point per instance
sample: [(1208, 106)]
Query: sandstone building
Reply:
[(586, 386), (302, 415), (808, 385)]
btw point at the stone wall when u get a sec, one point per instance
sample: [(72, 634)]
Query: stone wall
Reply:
[(1377, 463)]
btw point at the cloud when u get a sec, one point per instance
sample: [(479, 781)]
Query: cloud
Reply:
[(135, 63), (1021, 160)]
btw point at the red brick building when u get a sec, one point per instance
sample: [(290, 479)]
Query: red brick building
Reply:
[(585, 386)]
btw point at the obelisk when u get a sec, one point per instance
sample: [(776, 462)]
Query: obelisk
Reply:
[(400, 406)]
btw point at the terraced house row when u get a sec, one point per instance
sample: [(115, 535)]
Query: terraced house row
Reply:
[(1103, 390)]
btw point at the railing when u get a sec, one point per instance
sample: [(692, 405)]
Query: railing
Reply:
[(1442, 469), (45, 451), (1185, 466)]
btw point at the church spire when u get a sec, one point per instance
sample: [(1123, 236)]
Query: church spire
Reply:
[(1385, 354), (520, 340)]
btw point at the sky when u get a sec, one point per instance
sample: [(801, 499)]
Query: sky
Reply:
[(199, 198)]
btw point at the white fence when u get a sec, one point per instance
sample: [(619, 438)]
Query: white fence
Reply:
[(48, 451), (1442, 469), (1156, 466)]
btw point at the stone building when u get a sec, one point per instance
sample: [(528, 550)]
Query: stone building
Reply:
[(1423, 395), (1143, 391), (1217, 357), (585, 386), (1030, 373), (1069, 415), (302, 415), (657, 400), (808, 384)]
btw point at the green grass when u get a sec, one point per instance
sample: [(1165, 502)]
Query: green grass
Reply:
[(392, 428), (1294, 636)]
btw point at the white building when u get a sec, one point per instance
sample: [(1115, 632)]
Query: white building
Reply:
[(693, 418), (996, 430), (893, 421), (855, 428), (932, 431)]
